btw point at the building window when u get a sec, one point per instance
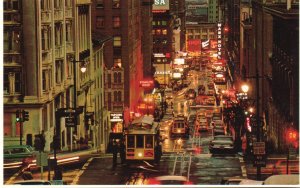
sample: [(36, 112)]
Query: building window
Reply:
[(153, 23), (164, 23), (115, 77), (99, 22), (99, 4), (109, 80), (115, 96), (116, 21), (58, 72), (12, 82), (117, 41), (58, 34), (119, 96), (116, 3), (6, 83), (57, 4), (68, 31), (46, 38), (158, 31), (164, 32), (158, 22), (11, 41), (109, 101), (11, 5), (119, 77), (45, 5), (45, 80)]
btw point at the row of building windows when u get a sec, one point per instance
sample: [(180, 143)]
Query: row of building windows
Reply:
[(100, 22), (159, 32), (11, 5), (201, 37), (160, 41), (158, 23), (204, 30), (115, 3)]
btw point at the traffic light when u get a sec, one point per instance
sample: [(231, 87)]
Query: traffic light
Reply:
[(18, 116), (25, 115), (292, 136)]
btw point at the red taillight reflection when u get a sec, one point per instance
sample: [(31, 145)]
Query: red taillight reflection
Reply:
[(188, 183), (153, 181)]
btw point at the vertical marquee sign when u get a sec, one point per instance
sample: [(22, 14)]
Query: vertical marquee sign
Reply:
[(219, 40)]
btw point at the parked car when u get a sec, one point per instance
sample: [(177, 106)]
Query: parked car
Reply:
[(17, 151), (250, 182), (221, 143), (231, 180), (288, 179), (169, 180), (33, 182)]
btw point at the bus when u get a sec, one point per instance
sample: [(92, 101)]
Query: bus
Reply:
[(142, 140)]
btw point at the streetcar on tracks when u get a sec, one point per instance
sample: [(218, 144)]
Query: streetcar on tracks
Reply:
[(142, 140), (180, 127)]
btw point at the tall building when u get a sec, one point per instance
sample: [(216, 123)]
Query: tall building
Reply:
[(168, 35), (213, 11), (42, 40), (121, 19), (275, 31), (147, 38)]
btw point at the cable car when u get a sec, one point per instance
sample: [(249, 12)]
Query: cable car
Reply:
[(180, 127), (142, 140)]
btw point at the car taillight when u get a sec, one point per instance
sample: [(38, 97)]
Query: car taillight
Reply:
[(152, 181), (188, 183)]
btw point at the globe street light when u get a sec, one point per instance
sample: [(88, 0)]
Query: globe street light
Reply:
[(245, 88)]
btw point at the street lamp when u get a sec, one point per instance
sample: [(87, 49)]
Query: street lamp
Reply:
[(245, 88), (83, 69)]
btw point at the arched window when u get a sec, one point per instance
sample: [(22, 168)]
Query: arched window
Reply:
[(119, 77), (115, 96), (119, 96), (115, 77)]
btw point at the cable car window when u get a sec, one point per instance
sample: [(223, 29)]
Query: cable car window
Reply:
[(140, 141), (130, 141), (149, 141)]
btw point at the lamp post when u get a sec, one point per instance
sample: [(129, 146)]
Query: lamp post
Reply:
[(83, 69), (245, 88)]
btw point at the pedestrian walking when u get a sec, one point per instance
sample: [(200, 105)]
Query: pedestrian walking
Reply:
[(115, 152), (122, 152), (58, 173)]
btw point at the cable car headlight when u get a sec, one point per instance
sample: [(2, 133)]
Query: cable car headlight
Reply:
[(140, 154)]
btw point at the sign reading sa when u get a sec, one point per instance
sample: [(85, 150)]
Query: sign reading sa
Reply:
[(159, 2)]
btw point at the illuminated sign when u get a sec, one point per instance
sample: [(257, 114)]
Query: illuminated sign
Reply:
[(179, 61), (219, 37), (161, 5), (176, 75), (117, 117), (205, 44), (146, 83), (159, 55), (193, 45)]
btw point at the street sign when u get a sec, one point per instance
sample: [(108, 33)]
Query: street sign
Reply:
[(70, 121), (259, 160), (41, 159), (292, 153), (259, 148)]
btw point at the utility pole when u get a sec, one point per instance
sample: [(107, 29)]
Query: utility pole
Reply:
[(258, 171)]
